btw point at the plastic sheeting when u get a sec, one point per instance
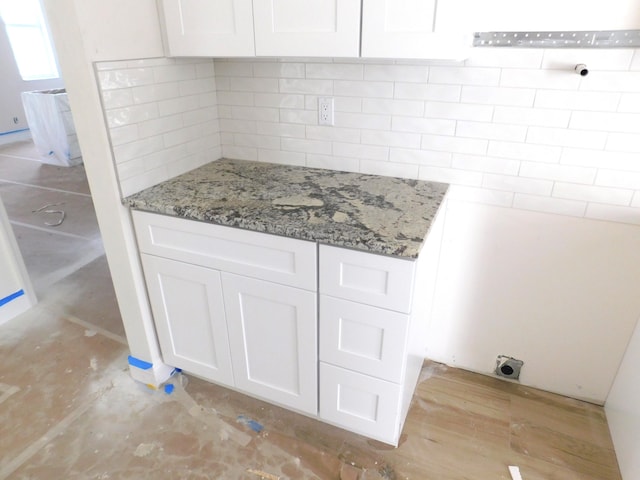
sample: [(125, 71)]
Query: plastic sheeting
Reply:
[(52, 129)]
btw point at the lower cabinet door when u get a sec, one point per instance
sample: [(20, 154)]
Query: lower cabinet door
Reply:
[(188, 310), (273, 337), (360, 403)]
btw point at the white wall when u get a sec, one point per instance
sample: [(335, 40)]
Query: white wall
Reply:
[(11, 86), (623, 410)]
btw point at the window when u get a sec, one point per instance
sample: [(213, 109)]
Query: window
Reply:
[(29, 39)]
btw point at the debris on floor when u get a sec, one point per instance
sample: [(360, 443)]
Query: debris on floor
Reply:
[(252, 424), (61, 214), (263, 475)]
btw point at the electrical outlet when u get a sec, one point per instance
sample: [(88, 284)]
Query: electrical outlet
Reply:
[(325, 110)]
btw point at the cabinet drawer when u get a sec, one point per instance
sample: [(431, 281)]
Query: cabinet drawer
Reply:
[(367, 278), (259, 255), (362, 338), (360, 403)]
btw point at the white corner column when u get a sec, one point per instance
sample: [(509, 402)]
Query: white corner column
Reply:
[(85, 31)]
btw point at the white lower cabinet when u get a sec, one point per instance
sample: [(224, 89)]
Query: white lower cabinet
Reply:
[(272, 335), (188, 310), (244, 309)]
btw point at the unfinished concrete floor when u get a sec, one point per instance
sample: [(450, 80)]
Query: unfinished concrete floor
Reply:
[(69, 410)]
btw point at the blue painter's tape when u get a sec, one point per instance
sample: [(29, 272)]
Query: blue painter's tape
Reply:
[(252, 424), (169, 388), (11, 297), (14, 131), (141, 364)]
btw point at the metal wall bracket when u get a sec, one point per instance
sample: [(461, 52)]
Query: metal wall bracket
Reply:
[(583, 39)]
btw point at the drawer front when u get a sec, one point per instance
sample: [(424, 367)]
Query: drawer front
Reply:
[(359, 403), (362, 338), (377, 280), (277, 259)]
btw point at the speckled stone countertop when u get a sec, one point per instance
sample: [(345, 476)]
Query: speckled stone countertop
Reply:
[(383, 215)]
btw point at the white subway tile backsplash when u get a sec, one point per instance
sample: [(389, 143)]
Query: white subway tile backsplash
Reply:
[(612, 82), (413, 108), (420, 157), (566, 138), (623, 142), (601, 159), (491, 131), (316, 87), (562, 173), (546, 79), (419, 91), (396, 73), (630, 103), (505, 57), (130, 151), (348, 135), (391, 139), (577, 100), (517, 97), (532, 116), (517, 184), (635, 62), (509, 127), (458, 111), (133, 114), (450, 175), (592, 193), (423, 125), (122, 135), (485, 196), (357, 150), (259, 141), (117, 98), (596, 59), (305, 117), (464, 75), (362, 120), (618, 179), (388, 169), (277, 100), (524, 151), (362, 89), (549, 204), (155, 92), (333, 163), (125, 78), (280, 156), (609, 122), (306, 146), (442, 143), (334, 71), (279, 69), (238, 98), (280, 129), (248, 84), (480, 163)]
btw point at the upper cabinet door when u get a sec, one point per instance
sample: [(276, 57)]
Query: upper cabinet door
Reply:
[(537, 16), (316, 28), (208, 28), (405, 29)]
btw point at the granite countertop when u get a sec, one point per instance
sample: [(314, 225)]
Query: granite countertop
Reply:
[(383, 215)]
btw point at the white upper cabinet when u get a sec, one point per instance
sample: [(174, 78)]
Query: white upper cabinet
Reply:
[(537, 15), (208, 28), (316, 28), (405, 29)]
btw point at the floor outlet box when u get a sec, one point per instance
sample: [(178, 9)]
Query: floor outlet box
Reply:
[(508, 367)]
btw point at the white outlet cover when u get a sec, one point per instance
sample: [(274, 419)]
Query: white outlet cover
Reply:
[(325, 110)]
